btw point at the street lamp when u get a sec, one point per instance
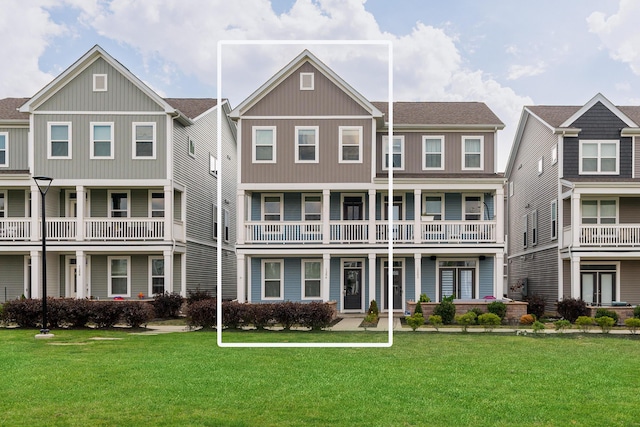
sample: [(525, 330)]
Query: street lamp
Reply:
[(43, 183)]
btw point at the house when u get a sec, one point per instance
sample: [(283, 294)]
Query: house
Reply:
[(131, 206), (574, 203), (313, 199)]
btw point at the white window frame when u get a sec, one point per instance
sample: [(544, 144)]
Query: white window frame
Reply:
[(191, 147), (341, 144), (599, 143), (302, 78), (214, 167), (316, 130), (511, 188), (225, 225), (5, 149), (49, 140), (3, 208), (464, 206), (525, 232), (151, 276), (534, 228), (553, 212), (424, 152), (554, 154), (464, 152), (215, 222), (385, 152), (540, 165), (151, 210), (92, 141), (304, 210), (424, 206), (134, 141), (263, 279), (304, 279), (254, 144), (110, 277), (262, 208), (109, 198), (598, 216), (96, 79)]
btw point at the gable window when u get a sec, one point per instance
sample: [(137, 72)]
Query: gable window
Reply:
[(157, 205), (525, 224), (264, 144), (311, 279), (472, 208), (306, 81), (599, 212), (3, 204), (433, 206), (59, 140), (534, 227), (191, 147), (433, 152), (225, 224), (306, 144), (540, 165), (119, 276), (599, 157), (272, 279), (396, 152), (119, 206), (101, 140), (144, 140), (272, 207), (213, 165), (554, 219), (472, 149), (156, 275), (312, 207), (4, 147), (99, 82), (350, 142)]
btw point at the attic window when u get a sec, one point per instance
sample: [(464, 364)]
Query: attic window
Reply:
[(306, 81), (99, 82)]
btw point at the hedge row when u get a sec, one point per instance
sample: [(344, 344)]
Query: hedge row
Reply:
[(314, 315)]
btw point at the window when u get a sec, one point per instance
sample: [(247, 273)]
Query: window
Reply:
[(272, 207), (457, 279), (312, 207), (511, 189), (433, 152), (264, 144), (225, 224), (599, 212), (215, 222), (144, 140), (191, 147), (3, 205), (99, 82), (157, 205), (350, 141), (311, 279), (272, 279), (554, 154), (306, 81), (213, 165), (156, 275), (433, 206), (598, 283), (534, 227), (397, 152), (554, 219), (101, 140), (119, 206), (472, 149), (306, 144), (59, 140), (525, 229), (540, 165), (599, 157), (4, 146), (119, 274), (472, 208)]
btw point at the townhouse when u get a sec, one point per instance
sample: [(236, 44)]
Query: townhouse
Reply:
[(313, 202), (573, 203), (130, 210)]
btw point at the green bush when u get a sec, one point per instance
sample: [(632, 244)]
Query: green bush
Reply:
[(498, 308), (585, 323), (136, 314), (198, 295), (415, 321), (571, 309), (562, 324), (633, 323), (418, 309), (435, 321), (373, 308), (489, 321), (167, 305), (464, 320), (477, 311), (636, 312), (371, 318), (424, 298), (601, 312), (606, 323), (538, 326), (446, 310)]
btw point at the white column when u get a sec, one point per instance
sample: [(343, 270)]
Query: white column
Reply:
[(36, 215), (326, 212), (372, 216), (498, 268), (168, 214), (168, 270), (575, 220), (417, 216), (80, 206), (240, 216), (240, 282), (183, 274), (418, 276), (36, 273), (575, 276), (498, 202), (326, 277), (372, 281), (80, 273)]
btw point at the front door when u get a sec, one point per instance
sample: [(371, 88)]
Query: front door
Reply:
[(598, 288), (352, 277), (72, 279), (459, 282), (396, 285)]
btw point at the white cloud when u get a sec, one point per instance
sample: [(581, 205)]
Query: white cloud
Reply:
[(518, 71)]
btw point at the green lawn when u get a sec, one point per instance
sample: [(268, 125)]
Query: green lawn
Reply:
[(425, 379)]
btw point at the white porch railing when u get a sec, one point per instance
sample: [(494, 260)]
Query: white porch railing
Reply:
[(124, 228), (459, 232), (15, 228), (610, 235), (61, 229), (349, 231), (283, 232), (400, 231)]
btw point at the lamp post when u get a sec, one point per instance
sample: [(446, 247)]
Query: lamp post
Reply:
[(43, 183)]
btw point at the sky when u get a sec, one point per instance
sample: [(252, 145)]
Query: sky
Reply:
[(505, 53)]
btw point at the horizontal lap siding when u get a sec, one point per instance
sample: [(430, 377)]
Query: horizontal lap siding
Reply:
[(566, 279), (177, 272), (201, 267), (409, 279), (541, 270), (629, 210), (99, 204), (629, 284), (99, 279), (12, 281), (429, 278), (335, 280), (486, 278)]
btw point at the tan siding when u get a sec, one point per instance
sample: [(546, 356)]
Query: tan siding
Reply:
[(629, 210), (12, 268), (566, 212), (288, 100), (629, 285), (541, 272), (18, 148), (636, 159), (566, 279)]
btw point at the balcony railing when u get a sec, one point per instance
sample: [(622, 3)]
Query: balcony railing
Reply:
[(124, 228), (610, 235), (349, 231), (459, 232), (15, 229), (400, 231)]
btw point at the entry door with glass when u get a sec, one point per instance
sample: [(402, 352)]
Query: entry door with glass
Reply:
[(72, 279), (396, 285), (352, 278), (457, 279), (598, 285)]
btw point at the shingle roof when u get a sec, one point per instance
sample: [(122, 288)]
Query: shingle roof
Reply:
[(9, 109), (192, 107), (555, 115), (441, 113)]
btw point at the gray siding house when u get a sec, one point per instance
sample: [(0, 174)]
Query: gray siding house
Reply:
[(130, 208), (573, 185), (313, 195)]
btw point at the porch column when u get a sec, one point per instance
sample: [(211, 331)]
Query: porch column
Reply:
[(80, 272), (240, 284), (575, 220), (575, 276), (240, 216), (498, 272), (80, 206), (326, 277), (372, 217), (183, 274), (36, 215), (417, 216), (326, 212), (168, 215), (168, 270), (372, 281), (418, 276), (36, 274), (498, 201)]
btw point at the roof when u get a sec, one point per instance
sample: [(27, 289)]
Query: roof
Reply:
[(555, 115), (192, 107), (9, 109), (441, 113)]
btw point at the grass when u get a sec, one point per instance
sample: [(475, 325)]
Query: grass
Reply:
[(424, 379)]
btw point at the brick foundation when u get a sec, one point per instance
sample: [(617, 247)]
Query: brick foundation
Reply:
[(515, 309)]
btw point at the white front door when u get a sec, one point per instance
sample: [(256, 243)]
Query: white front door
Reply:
[(72, 279)]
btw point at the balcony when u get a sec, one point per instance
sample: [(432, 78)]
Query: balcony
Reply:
[(14, 229), (610, 235)]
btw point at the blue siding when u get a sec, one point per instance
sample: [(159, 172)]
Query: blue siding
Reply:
[(410, 197), (429, 277), (292, 206), (378, 207), (292, 279), (378, 283), (256, 206), (453, 206), (486, 277), (335, 210), (256, 279), (335, 280), (409, 278)]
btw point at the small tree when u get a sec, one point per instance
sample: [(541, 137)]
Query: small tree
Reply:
[(415, 321), (418, 309), (373, 308), (489, 321), (446, 310), (538, 327), (633, 323), (436, 321), (606, 323), (584, 323)]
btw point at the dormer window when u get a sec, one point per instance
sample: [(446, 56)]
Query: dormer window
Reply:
[(99, 82), (306, 81)]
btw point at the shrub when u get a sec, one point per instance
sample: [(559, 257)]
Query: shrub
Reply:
[(167, 304), (538, 327), (136, 314), (415, 321), (606, 323), (315, 315), (78, 312), (105, 314), (198, 295), (572, 308), (259, 315), (584, 323), (371, 318), (435, 320), (535, 305), (287, 314), (489, 321), (446, 310), (464, 320), (498, 308), (202, 313), (477, 311), (418, 309), (633, 323), (57, 310), (602, 312), (424, 298), (527, 319), (26, 313), (373, 308), (636, 312), (233, 314), (562, 324)]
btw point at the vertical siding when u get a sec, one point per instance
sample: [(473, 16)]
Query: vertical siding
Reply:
[(99, 203), (99, 276), (16, 203), (139, 203), (629, 286), (12, 282), (629, 210), (486, 279), (18, 148)]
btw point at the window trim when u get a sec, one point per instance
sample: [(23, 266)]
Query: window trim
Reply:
[(554, 154), (5, 149), (599, 209), (263, 279), (423, 210), (599, 142), (225, 225), (97, 88), (525, 232), (109, 198), (151, 276), (304, 210), (214, 166), (92, 141), (385, 152), (49, 141), (110, 277), (511, 188), (303, 279), (554, 219), (540, 165), (534, 227), (262, 207), (341, 145), (316, 129), (464, 152), (134, 141), (424, 152), (215, 222), (313, 81), (4, 210), (254, 144), (191, 143), (151, 210)]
